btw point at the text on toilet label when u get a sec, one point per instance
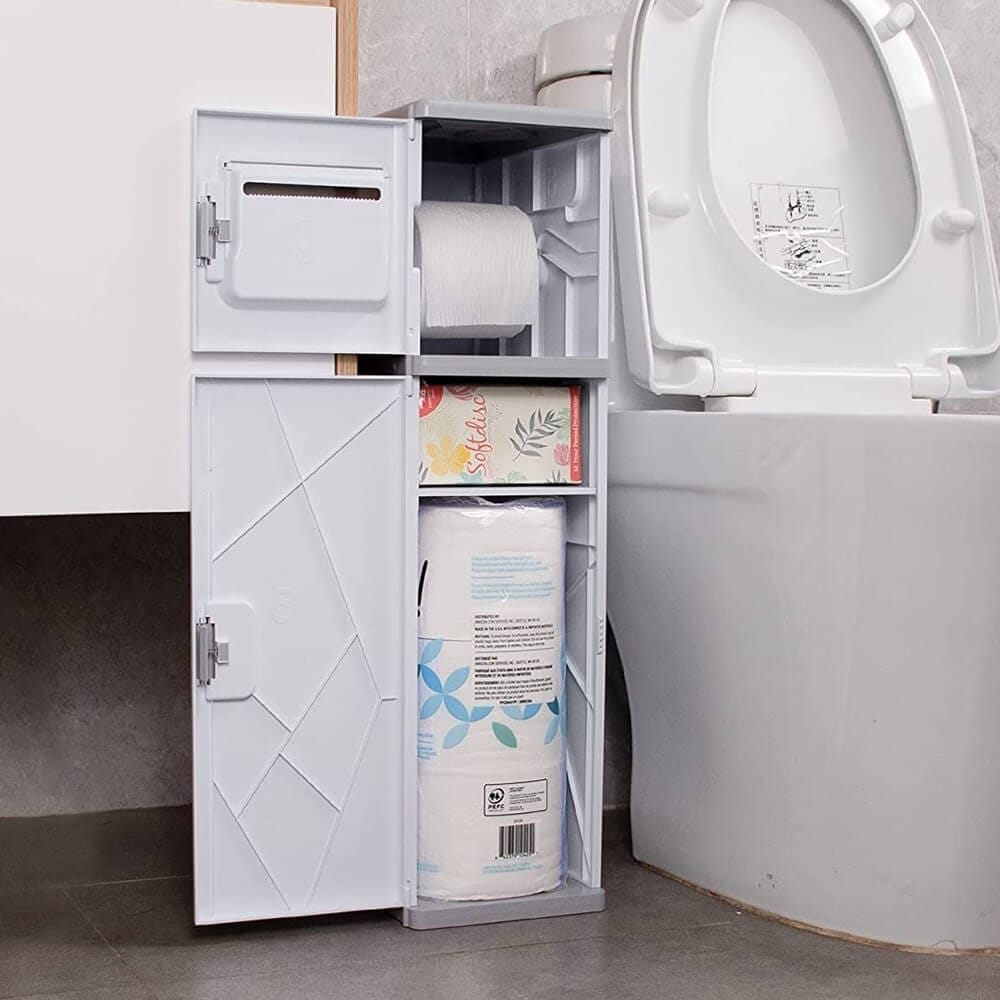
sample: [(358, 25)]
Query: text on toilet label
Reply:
[(798, 231)]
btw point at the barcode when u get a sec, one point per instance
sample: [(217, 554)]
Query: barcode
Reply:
[(516, 841)]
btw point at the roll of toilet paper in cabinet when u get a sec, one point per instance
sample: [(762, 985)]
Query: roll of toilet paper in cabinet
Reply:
[(491, 732), (478, 270)]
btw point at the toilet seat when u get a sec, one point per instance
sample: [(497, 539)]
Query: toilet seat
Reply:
[(708, 312)]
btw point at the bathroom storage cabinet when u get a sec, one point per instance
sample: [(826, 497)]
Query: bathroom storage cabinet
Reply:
[(305, 489)]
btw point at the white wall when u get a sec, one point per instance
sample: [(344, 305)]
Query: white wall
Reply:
[(94, 259)]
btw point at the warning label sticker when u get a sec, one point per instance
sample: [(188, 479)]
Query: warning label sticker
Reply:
[(799, 231), (514, 659)]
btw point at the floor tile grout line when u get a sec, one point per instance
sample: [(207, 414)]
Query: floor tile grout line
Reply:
[(73, 991), (138, 979), (577, 940), (70, 886), (156, 990)]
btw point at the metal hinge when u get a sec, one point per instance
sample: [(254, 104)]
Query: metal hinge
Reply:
[(209, 653), (210, 232)]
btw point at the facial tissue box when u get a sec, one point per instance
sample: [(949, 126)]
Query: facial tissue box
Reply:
[(499, 434)]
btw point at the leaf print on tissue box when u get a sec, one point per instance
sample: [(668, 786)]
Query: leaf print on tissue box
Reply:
[(499, 434)]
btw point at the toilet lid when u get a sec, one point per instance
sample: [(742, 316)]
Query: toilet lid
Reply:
[(798, 207)]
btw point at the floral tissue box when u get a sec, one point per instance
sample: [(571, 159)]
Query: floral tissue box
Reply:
[(499, 434)]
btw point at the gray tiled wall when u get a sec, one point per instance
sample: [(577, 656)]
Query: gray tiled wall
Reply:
[(94, 705), (94, 610)]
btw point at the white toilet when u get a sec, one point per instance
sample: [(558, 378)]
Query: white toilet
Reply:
[(573, 63), (805, 580)]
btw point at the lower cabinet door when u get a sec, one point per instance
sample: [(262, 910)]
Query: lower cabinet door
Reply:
[(303, 556)]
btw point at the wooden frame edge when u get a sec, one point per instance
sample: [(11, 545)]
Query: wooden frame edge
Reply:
[(347, 56)]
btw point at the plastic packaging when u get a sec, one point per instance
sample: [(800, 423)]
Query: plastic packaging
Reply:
[(487, 434), (491, 736)]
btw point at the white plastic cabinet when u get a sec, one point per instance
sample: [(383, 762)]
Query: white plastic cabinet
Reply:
[(305, 496), (303, 517)]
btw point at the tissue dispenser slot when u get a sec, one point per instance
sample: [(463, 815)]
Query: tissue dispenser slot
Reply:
[(307, 237), (265, 189)]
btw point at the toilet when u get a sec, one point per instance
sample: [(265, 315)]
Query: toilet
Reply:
[(573, 63), (804, 576)]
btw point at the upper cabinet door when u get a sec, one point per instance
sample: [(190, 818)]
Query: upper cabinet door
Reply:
[(303, 235)]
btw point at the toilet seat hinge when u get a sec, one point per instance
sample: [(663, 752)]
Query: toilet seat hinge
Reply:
[(928, 382), (790, 390)]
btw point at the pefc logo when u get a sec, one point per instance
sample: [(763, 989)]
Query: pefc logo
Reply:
[(495, 798)]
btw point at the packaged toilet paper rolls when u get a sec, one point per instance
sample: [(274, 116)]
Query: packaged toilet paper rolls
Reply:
[(491, 736), (479, 269)]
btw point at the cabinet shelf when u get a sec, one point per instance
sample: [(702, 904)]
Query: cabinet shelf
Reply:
[(572, 898), (521, 490), (486, 366)]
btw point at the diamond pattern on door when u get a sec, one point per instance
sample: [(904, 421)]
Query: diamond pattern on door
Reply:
[(245, 740), (357, 556), (252, 468), (309, 412), (365, 858), (281, 568), (304, 765), (288, 823), (240, 881), (325, 747)]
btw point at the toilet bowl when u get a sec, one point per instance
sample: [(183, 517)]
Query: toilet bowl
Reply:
[(803, 576)]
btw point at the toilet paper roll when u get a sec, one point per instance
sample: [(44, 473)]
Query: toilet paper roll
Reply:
[(491, 736), (479, 269)]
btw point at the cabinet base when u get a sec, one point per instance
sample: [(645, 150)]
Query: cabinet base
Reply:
[(572, 898)]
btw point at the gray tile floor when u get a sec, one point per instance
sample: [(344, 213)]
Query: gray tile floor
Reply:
[(99, 908)]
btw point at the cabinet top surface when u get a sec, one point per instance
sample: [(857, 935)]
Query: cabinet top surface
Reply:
[(504, 114)]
